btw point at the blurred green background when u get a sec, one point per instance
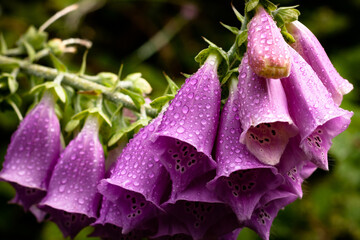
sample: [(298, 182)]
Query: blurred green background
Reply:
[(330, 208)]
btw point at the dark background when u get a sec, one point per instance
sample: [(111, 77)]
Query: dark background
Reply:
[(330, 208)]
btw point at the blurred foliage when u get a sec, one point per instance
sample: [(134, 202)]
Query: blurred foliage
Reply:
[(330, 208)]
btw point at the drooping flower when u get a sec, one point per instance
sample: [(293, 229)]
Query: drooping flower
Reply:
[(187, 131), (241, 180), (138, 181), (266, 211), (313, 110), (308, 46), (202, 213), (72, 199), (267, 50), (265, 120), (33, 153)]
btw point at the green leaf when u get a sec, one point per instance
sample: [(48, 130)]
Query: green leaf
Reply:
[(241, 38), (228, 75), (284, 15), (13, 84), (60, 92), (58, 111), (3, 46), (137, 98), (81, 114), (105, 117), (35, 38), (172, 85), (15, 107), (234, 30), (57, 63), (71, 125), (287, 36), (83, 63), (268, 5), (118, 135), (238, 15), (159, 102), (30, 51), (202, 56), (250, 5)]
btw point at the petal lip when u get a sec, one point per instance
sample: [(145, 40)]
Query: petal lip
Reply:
[(308, 46)]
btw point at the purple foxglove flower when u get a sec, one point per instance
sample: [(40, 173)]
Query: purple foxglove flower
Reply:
[(268, 53), (202, 213), (72, 199), (109, 224), (241, 179), (313, 110), (170, 227), (139, 169), (295, 167), (314, 54), (265, 120), (33, 153), (187, 132), (267, 210)]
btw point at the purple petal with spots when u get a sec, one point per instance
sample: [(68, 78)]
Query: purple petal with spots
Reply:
[(313, 110), (265, 120), (201, 211), (135, 210), (314, 54), (33, 152), (139, 169), (72, 198), (268, 53), (267, 210), (241, 179), (109, 224), (187, 132), (292, 167)]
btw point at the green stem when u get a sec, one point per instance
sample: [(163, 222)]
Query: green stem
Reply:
[(74, 81)]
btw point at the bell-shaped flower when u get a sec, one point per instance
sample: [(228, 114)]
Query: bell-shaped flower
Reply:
[(109, 224), (266, 211), (313, 110), (187, 131), (308, 46), (169, 227), (138, 181), (200, 210), (241, 180), (32, 154), (295, 167), (267, 49), (72, 199), (265, 120)]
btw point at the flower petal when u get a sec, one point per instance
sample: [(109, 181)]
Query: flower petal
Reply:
[(265, 120), (241, 179), (309, 47), (268, 54), (313, 110), (187, 132), (73, 185), (33, 152)]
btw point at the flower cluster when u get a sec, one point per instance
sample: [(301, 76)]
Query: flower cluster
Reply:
[(195, 171)]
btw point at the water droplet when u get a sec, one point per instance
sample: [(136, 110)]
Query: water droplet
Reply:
[(62, 188), (81, 201), (269, 41), (185, 109), (180, 130)]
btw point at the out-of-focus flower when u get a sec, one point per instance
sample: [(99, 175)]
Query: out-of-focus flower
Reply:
[(265, 120), (313, 110), (187, 131), (72, 199), (32, 154), (241, 180), (267, 49), (314, 54)]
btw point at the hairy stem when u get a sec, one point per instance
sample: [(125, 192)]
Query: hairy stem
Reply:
[(74, 81)]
